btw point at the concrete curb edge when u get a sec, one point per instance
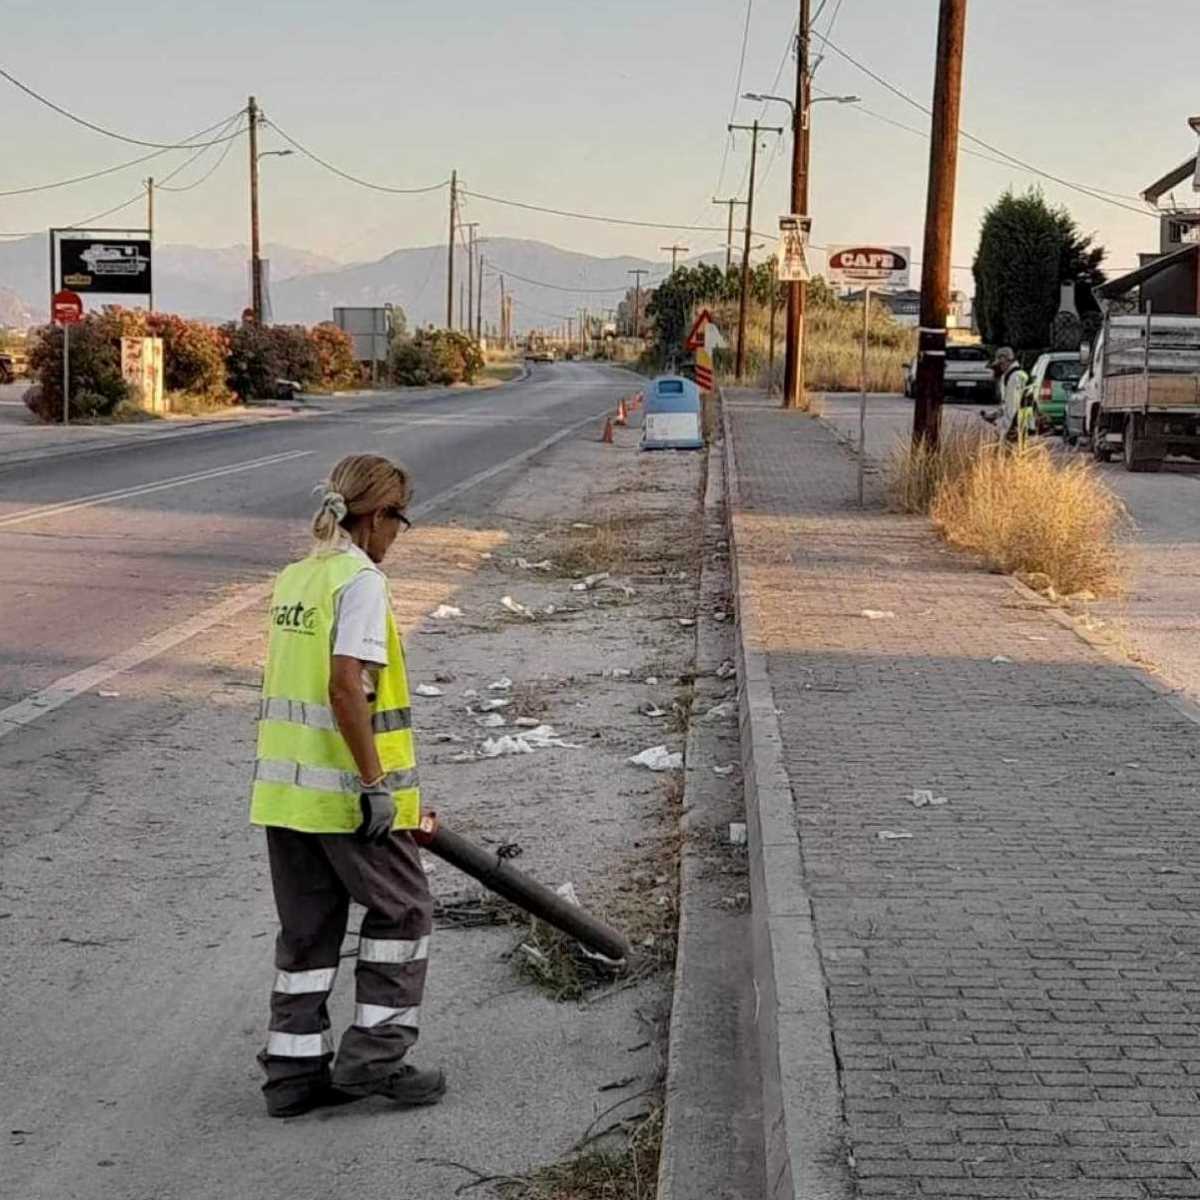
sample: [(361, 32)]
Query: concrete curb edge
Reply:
[(802, 1108)]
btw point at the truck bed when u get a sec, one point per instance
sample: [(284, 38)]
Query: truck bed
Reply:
[(1125, 393)]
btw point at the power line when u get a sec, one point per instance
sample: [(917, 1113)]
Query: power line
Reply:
[(737, 95), (1095, 193), (578, 216), (187, 187), (133, 162), (375, 187), (120, 137)]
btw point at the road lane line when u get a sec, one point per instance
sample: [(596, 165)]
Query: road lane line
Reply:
[(55, 695), (66, 506)]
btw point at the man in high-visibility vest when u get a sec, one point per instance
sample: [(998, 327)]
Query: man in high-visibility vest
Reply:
[(335, 785), (1016, 417)]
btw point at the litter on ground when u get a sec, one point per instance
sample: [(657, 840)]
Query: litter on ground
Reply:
[(617, 673), (516, 607), (526, 565), (501, 746), (658, 758), (725, 771), (527, 722), (427, 689), (492, 705), (878, 614), (503, 684), (652, 710), (581, 525), (686, 622), (1001, 658), (889, 835), (586, 585), (652, 680), (470, 694), (726, 670), (737, 833), (444, 612), (719, 711), (924, 798), (490, 721), (109, 695)]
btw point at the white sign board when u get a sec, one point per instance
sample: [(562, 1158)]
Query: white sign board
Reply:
[(870, 265), (792, 264)]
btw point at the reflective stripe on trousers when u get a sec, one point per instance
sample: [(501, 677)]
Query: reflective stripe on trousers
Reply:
[(299, 1045), (393, 950), (303, 983), (327, 779), (374, 1016), (319, 716)]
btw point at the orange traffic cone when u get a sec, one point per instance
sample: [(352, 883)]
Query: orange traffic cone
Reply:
[(622, 413), (638, 397), (607, 437)]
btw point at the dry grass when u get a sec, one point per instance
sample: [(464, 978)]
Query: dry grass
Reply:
[(627, 1174), (1023, 510), (913, 475), (603, 546)]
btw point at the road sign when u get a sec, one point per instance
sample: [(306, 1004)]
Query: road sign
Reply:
[(695, 339), (67, 308), (878, 266), (792, 266), (115, 266)]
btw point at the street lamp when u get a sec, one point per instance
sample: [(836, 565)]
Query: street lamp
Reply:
[(256, 286), (276, 153), (764, 98)]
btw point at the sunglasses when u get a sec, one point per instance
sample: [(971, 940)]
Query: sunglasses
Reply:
[(397, 515)]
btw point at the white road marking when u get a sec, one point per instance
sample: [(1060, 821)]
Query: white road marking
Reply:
[(25, 712), (66, 506)]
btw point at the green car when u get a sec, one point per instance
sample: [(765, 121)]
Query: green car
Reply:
[(1053, 378)]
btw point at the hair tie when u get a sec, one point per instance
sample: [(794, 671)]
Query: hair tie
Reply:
[(332, 502)]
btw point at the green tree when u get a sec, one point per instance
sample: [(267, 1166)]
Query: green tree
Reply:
[(1027, 250)]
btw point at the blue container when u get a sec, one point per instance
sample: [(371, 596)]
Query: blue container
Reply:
[(671, 420)]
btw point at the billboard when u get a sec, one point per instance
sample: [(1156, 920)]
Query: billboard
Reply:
[(112, 266)]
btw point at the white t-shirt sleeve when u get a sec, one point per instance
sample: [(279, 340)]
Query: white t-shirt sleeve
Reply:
[(360, 619)]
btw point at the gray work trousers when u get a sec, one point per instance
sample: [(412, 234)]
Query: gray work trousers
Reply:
[(315, 876)]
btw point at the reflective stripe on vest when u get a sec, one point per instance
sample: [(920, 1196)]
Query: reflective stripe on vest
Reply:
[(393, 950), (371, 1016), (327, 779), (299, 1045), (305, 983), (319, 716)]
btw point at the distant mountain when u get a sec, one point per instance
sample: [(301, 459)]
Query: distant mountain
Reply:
[(197, 281), (547, 284), (14, 312)]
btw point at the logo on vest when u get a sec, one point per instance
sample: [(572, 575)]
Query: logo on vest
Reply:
[(294, 618)]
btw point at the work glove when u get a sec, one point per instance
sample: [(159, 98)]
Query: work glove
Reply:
[(378, 812)]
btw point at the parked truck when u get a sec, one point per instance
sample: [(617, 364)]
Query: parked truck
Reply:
[(1140, 393)]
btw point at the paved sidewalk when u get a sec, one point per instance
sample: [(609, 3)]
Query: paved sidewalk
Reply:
[(1012, 982)]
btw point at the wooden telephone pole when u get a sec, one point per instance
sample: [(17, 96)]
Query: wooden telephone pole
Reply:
[(755, 129), (637, 299), (256, 289), (675, 250), (150, 231), (939, 223), (793, 363), (450, 250)]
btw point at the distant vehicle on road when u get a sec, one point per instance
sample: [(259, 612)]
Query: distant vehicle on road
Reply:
[(1140, 394), (1054, 377), (968, 374), (8, 368), (540, 354)]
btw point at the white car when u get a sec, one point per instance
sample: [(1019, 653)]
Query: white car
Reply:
[(968, 375)]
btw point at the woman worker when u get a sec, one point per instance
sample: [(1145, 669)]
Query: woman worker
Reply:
[(335, 785)]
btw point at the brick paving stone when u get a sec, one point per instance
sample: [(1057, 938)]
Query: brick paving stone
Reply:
[(1016, 985)]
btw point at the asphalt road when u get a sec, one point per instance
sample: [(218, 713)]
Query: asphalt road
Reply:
[(1158, 618), (135, 915)]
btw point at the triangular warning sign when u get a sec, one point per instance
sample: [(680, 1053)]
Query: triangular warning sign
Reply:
[(695, 339)]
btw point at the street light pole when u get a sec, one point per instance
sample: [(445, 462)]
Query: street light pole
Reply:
[(729, 232), (793, 361), (150, 231), (256, 293)]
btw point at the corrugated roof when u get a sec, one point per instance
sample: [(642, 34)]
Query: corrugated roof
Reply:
[(1126, 283)]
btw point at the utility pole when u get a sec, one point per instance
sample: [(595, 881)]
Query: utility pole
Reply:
[(675, 252), (740, 364), (479, 305), (793, 362), (503, 315), (461, 300), (939, 222), (256, 291), (729, 232), (450, 253), (150, 229), (637, 299), (470, 227)]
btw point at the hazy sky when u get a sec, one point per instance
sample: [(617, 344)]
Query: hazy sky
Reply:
[(617, 109)]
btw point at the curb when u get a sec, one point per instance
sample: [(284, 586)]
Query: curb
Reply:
[(802, 1108), (712, 1135)]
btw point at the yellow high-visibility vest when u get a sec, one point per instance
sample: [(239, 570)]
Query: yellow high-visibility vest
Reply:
[(305, 777)]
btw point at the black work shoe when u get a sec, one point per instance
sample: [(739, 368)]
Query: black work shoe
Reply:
[(295, 1102), (407, 1086)]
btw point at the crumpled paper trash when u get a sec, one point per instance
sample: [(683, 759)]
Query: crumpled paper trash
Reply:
[(517, 608), (658, 758), (444, 612), (427, 689)]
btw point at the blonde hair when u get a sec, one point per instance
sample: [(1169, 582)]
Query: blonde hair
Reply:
[(360, 484)]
